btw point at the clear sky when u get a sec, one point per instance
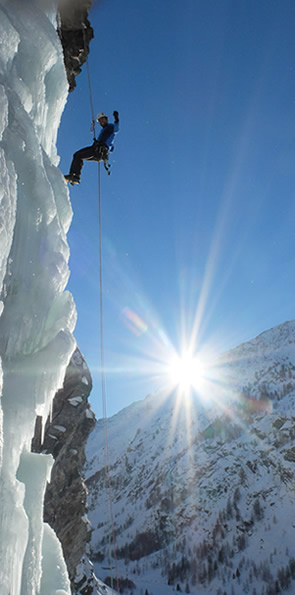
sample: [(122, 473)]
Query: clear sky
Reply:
[(198, 215)]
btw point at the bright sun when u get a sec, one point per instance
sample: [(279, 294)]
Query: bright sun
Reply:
[(186, 371)]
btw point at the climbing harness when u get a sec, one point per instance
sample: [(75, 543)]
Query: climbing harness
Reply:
[(103, 386), (102, 154)]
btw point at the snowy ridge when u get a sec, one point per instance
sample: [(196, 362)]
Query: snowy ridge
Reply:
[(203, 496), (37, 315), (256, 358)]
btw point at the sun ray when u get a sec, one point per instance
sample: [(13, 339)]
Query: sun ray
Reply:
[(188, 373)]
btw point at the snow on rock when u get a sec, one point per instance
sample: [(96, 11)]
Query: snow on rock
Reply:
[(37, 315), (86, 580), (75, 401), (89, 414), (60, 428)]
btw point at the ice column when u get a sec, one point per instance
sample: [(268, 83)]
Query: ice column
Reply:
[(37, 315)]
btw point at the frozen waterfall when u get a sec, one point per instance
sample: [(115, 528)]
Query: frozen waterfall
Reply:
[(37, 315)]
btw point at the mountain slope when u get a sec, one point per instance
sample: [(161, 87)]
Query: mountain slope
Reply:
[(203, 494)]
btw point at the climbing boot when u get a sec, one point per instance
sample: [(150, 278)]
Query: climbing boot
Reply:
[(73, 179)]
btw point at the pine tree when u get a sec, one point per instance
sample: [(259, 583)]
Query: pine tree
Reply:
[(237, 495), (229, 510), (258, 510)]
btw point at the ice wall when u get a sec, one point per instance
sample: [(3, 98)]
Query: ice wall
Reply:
[(37, 315)]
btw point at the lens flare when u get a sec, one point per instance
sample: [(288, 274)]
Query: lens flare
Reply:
[(186, 371), (133, 321)]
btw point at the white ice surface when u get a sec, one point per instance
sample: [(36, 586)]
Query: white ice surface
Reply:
[(37, 315)]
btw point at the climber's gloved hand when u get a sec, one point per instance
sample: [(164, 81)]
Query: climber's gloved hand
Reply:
[(116, 116)]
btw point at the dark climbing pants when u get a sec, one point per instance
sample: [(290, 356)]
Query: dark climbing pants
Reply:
[(97, 152)]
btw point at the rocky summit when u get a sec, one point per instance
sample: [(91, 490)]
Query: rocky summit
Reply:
[(203, 492)]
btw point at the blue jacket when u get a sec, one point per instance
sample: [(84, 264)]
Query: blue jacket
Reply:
[(107, 134)]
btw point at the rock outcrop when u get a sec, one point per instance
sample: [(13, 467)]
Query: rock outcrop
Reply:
[(75, 33), (65, 437)]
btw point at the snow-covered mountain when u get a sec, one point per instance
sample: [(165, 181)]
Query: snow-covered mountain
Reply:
[(203, 495)]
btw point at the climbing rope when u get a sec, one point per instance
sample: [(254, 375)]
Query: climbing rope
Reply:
[(92, 129), (103, 385), (89, 84)]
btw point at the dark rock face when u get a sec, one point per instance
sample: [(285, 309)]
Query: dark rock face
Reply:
[(75, 33), (65, 438)]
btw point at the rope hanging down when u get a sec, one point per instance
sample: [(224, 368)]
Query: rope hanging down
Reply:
[(89, 83), (103, 384)]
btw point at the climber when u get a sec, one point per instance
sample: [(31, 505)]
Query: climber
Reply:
[(99, 151)]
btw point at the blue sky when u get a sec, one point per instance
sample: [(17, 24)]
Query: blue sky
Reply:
[(198, 215)]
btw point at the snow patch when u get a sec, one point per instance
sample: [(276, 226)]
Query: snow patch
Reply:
[(89, 413), (60, 428), (75, 401)]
